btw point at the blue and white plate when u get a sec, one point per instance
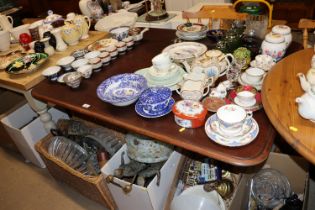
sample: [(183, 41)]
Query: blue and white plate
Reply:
[(143, 113), (247, 135), (122, 89)]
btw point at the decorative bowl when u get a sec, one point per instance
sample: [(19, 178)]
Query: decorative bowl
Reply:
[(122, 89), (216, 34), (120, 33)]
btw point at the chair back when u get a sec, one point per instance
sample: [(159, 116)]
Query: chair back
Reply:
[(306, 24)]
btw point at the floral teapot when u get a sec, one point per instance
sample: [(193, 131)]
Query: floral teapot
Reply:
[(70, 33), (83, 23), (213, 63)]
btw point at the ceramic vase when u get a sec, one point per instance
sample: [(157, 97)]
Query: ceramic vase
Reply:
[(60, 44), (274, 45), (48, 49), (285, 31)]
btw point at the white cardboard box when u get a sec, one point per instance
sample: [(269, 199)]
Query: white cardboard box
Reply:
[(140, 198), (25, 129)]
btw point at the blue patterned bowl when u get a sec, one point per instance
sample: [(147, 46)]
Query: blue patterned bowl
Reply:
[(122, 89), (155, 99)]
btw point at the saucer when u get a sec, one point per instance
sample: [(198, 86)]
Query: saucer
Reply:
[(245, 105), (231, 98), (237, 141), (171, 83), (140, 111), (265, 68), (243, 81)]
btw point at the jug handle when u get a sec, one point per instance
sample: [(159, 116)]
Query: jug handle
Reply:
[(207, 90), (88, 20), (227, 60), (10, 19), (144, 30)]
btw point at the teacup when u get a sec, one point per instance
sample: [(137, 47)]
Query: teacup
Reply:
[(65, 62), (16, 31), (254, 75), (73, 79), (246, 97), (162, 62), (52, 73), (105, 58), (231, 118), (120, 33), (80, 62), (155, 99), (85, 71), (113, 52), (92, 54), (263, 60), (4, 40)]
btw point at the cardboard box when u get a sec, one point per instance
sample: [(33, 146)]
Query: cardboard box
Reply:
[(10, 101), (152, 197), (294, 168), (25, 129)]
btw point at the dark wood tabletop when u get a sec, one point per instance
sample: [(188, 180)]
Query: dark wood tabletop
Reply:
[(164, 129)]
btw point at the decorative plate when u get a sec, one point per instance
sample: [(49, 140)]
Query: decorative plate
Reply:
[(103, 43), (233, 93), (122, 89), (231, 141), (5, 60), (27, 63), (212, 104), (141, 111), (185, 50), (192, 28), (190, 37)]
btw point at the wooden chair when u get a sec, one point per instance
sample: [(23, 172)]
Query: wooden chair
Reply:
[(211, 12), (306, 24)]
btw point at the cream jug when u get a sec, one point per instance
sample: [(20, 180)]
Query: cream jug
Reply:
[(6, 22), (70, 33)]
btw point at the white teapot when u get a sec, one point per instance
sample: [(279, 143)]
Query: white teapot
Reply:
[(306, 104)]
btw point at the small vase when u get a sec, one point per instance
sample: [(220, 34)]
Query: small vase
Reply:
[(60, 44), (48, 49)]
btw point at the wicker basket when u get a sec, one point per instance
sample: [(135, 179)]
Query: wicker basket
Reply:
[(93, 187)]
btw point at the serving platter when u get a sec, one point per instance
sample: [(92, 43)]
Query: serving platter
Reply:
[(26, 64), (185, 50)]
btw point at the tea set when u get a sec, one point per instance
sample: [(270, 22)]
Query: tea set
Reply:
[(232, 126), (252, 76)]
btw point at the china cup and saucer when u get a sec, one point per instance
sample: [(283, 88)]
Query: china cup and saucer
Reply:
[(243, 80)]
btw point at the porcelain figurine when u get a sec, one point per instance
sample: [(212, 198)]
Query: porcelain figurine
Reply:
[(90, 8), (274, 45), (60, 44), (70, 33), (82, 22)]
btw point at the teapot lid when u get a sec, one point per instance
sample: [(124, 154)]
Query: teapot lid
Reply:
[(274, 38), (52, 17), (189, 109), (281, 29)]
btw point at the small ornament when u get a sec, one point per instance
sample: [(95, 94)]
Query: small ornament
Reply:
[(25, 40)]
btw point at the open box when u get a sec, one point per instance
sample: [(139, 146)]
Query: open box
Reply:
[(293, 167), (152, 197), (25, 129)]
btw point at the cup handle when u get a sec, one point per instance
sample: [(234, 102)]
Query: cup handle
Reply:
[(177, 91), (210, 81), (10, 19), (207, 90), (88, 21), (227, 58), (249, 115)]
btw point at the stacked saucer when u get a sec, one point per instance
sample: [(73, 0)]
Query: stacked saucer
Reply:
[(155, 102), (191, 31), (232, 126)]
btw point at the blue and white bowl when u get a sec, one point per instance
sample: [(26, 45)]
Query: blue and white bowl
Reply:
[(120, 32), (122, 89), (155, 99)]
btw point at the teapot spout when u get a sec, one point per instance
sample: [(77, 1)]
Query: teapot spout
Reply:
[(304, 83), (299, 100)]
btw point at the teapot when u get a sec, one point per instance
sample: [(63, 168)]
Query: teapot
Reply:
[(306, 105), (70, 33), (306, 102), (83, 23), (212, 60)]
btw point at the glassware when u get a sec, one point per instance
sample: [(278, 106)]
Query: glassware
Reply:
[(234, 71), (270, 188)]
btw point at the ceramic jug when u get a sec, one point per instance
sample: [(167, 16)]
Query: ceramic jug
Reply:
[(70, 33), (6, 22), (83, 24), (306, 104)]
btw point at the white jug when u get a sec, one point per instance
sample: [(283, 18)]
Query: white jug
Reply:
[(6, 22)]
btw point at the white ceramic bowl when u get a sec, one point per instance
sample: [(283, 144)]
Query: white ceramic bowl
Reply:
[(120, 33), (65, 62), (92, 54), (80, 62), (85, 71), (52, 73)]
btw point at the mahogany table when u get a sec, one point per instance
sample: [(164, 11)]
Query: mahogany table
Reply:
[(281, 87), (164, 129)]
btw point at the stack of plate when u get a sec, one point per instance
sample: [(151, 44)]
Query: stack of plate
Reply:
[(191, 31)]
